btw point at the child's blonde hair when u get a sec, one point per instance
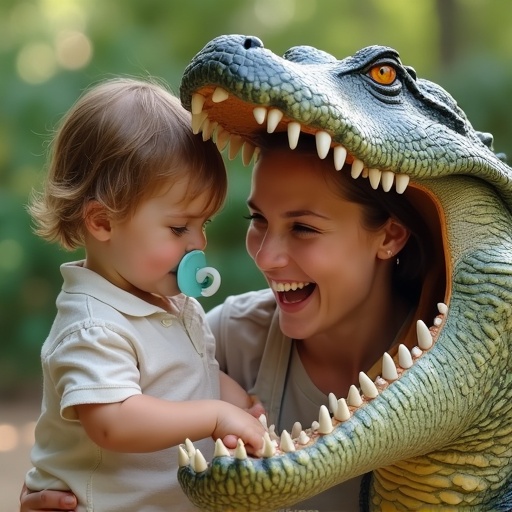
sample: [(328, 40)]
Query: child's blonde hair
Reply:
[(119, 141)]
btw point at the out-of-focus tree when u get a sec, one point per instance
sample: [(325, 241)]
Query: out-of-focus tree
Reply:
[(51, 50)]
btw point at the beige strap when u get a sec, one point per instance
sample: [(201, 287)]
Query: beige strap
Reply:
[(270, 381)]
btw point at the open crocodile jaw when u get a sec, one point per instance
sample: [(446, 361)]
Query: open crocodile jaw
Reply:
[(428, 391)]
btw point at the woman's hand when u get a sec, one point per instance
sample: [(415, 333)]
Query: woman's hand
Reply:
[(46, 500)]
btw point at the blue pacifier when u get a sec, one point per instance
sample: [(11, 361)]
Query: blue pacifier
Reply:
[(195, 278)]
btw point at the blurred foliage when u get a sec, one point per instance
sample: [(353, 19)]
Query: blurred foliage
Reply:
[(50, 50)]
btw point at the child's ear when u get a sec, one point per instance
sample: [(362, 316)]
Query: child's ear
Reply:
[(396, 236), (97, 221)]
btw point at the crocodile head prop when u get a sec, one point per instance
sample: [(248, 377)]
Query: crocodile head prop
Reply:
[(433, 423)]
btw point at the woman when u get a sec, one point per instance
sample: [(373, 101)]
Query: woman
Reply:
[(344, 264)]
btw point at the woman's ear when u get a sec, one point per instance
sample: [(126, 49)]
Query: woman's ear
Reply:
[(97, 221), (396, 236)]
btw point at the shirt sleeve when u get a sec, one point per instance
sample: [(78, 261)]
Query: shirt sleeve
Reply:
[(93, 365)]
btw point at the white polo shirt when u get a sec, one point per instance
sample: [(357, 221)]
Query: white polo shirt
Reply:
[(106, 345)]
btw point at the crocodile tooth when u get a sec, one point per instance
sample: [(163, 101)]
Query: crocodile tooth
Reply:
[(416, 352), (222, 139), (286, 444), (296, 429), (199, 462), (197, 121), (374, 175), (269, 448), (323, 143), (220, 449), (183, 458), (263, 420), (303, 438), (365, 172), (260, 114), (387, 180), (191, 449), (340, 155), (404, 357), (368, 388), (197, 103), (293, 130), (388, 368), (442, 308), (342, 412), (424, 336), (273, 119), (357, 168), (235, 144), (324, 421), (314, 426), (240, 452), (401, 182), (220, 95), (208, 129), (333, 402), (438, 321), (354, 398), (247, 153)]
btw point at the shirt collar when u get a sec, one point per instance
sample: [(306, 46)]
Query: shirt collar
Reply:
[(78, 279)]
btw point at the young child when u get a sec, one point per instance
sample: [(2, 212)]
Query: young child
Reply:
[(129, 366)]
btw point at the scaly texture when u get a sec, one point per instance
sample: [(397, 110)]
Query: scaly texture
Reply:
[(435, 429)]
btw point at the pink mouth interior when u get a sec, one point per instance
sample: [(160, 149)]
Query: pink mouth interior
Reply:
[(298, 295)]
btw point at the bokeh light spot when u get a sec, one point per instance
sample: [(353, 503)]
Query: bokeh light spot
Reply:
[(36, 63), (73, 49), (8, 438)]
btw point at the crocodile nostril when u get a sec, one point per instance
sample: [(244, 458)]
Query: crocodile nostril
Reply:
[(252, 42)]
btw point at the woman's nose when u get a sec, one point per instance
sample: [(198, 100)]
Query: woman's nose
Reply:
[(271, 253)]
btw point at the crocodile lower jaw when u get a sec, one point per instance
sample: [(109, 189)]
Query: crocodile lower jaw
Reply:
[(273, 118), (342, 409)]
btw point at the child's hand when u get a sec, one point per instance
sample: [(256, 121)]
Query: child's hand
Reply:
[(234, 423)]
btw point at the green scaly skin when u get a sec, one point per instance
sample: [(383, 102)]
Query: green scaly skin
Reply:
[(439, 437)]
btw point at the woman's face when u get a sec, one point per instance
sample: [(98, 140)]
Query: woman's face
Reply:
[(311, 245)]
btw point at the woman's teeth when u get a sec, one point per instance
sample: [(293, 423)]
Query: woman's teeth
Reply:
[(286, 287)]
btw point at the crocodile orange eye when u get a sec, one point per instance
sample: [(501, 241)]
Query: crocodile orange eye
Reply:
[(383, 74)]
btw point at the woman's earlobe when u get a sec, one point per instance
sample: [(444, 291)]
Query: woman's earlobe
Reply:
[(97, 221)]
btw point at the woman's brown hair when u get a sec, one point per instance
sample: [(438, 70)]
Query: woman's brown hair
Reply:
[(119, 141)]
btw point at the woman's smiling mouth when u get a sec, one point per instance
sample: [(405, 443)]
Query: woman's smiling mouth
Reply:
[(292, 292)]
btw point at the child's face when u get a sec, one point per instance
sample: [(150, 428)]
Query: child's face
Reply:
[(144, 250)]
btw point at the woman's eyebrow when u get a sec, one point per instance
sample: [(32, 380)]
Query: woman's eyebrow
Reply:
[(293, 213)]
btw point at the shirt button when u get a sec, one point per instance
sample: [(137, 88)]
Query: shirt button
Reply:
[(166, 321)]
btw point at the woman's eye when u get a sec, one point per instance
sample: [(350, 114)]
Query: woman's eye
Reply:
[(178, 231), (303, 229), (254, 217)]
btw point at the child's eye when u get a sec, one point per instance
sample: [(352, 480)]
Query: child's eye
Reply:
[(179, 231)]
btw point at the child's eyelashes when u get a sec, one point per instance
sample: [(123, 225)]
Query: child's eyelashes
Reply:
[(179, 231)]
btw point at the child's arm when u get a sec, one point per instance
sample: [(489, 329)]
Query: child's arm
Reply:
[(232, 392), (143, 423)]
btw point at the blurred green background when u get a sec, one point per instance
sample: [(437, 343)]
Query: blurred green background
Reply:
[(50, 50)]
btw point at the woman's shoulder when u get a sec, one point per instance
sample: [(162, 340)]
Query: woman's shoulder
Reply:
[(253, 307)]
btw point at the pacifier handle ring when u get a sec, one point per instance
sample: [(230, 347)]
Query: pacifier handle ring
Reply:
[(209, 280)]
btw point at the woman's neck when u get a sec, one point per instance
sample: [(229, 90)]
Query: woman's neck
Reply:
[(334, 358)]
